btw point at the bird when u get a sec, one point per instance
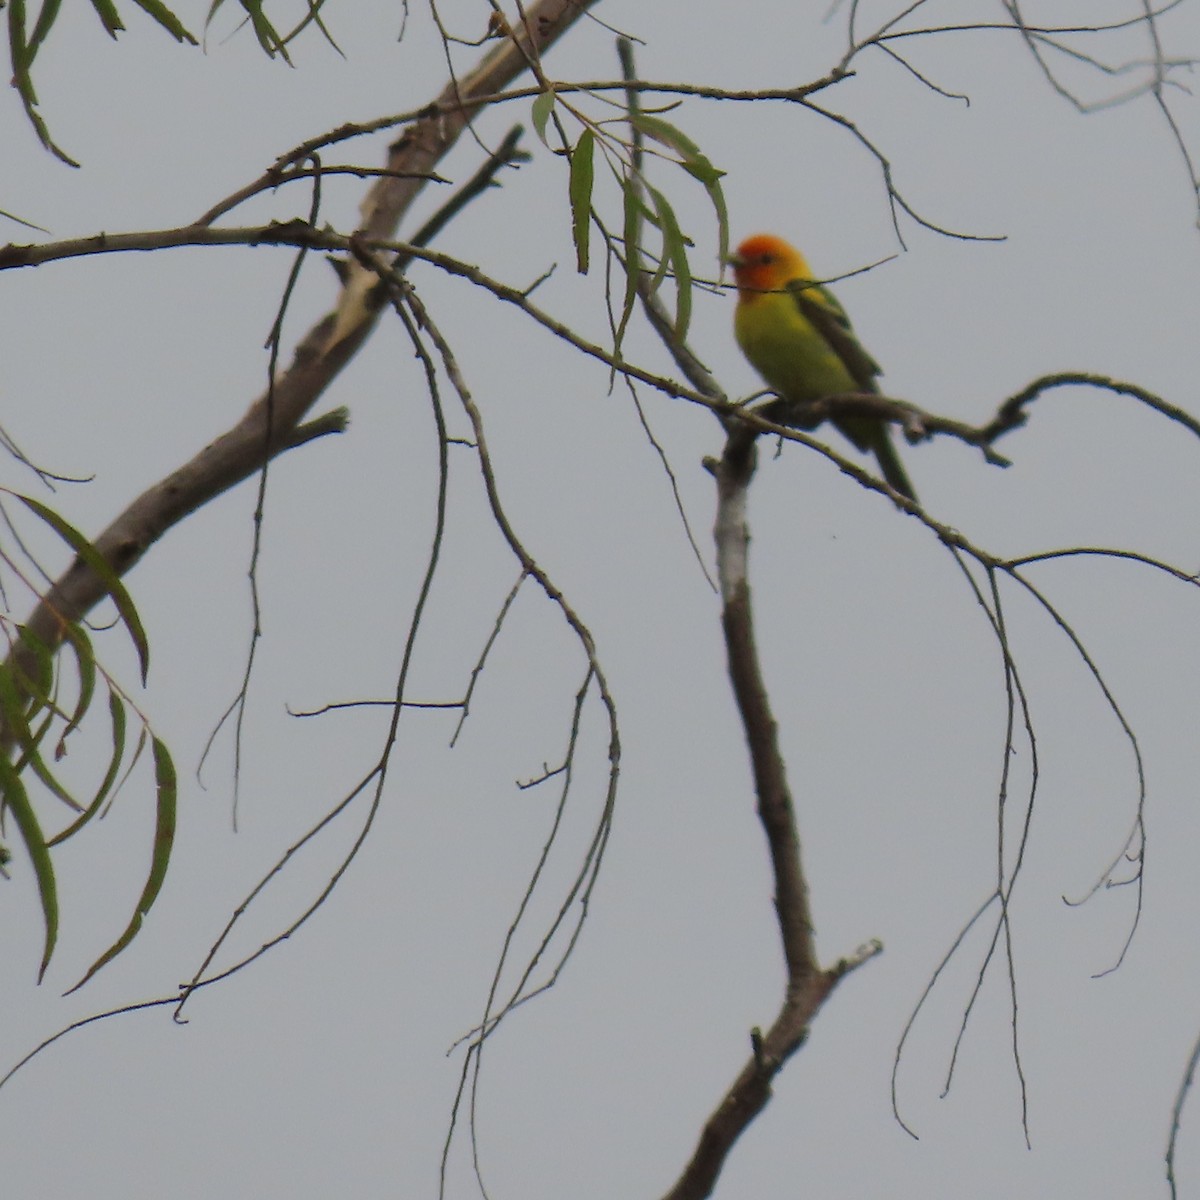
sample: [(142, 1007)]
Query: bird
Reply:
[(796, 335)]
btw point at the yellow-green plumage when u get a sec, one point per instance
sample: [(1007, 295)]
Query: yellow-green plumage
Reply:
[(798, 338)]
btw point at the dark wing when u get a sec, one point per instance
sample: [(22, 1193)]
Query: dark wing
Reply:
[(820, 307)]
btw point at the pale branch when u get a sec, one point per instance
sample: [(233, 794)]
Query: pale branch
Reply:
[(337, 420), (267, 426), (733, 475), (808, 985)]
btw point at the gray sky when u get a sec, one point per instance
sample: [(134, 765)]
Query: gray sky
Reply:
[(322, 1070)]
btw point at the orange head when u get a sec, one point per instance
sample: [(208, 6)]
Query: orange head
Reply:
[(765, 263)]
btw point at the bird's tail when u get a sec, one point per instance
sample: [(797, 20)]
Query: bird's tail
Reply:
[(891, 466), (869, 433)]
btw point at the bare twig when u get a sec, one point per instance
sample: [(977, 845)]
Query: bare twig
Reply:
[(321, 353)]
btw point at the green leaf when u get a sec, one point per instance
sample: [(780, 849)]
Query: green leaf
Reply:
[(16, 800), (164, 839), (85, 659), (543, 106), (268, 36), (167, 19), (22, 696), (15, 704), (313, 17), (660, 271), (22, 49), (673, 138), (107, 576), (45, 20), (580, 190), (34, 680), (20, 52), (23, 82), (696, 163), (31, 756), (106, 10), (675, 252), (18, 45), (632, 232), (116, 710), (110, 18)]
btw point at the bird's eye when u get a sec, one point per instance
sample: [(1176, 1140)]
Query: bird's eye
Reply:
[(766, 258)]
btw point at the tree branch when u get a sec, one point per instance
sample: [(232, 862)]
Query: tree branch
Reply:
[(267, 427), (808, 985)]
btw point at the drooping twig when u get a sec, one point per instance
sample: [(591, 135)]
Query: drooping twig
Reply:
[(321, 353)]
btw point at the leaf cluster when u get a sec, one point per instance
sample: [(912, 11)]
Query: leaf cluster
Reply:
[(642, 203), (27, 34), (37, 721)]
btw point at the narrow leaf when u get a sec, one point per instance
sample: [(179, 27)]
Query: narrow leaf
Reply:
[(668, 135), (16, 800), (580, 190), (543, 106), (85, 660), (143, 734), (34, 679), (21, 698), (107, 576), (632, 232), (116, 710), (313, 17), (167, 19), (675, 252), (31, 756), (45, 20), (20, 52), (268, 36), (164, 838), (696, 163), (106, 10)]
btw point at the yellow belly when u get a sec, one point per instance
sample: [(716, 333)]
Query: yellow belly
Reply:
[(785, 349)]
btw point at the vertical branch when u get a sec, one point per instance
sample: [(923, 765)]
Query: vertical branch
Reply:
[(808, 985), (775, 811)]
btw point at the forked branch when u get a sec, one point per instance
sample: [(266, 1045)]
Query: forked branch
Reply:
[(808, 984)]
